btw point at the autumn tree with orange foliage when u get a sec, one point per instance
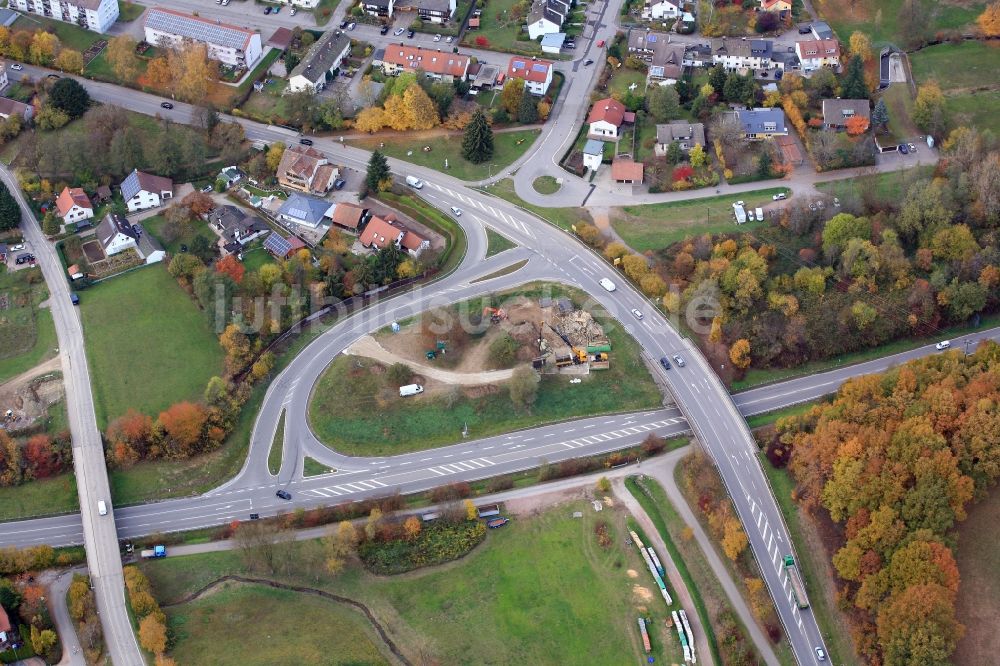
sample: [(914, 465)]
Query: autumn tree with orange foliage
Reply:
[(856, 125), (183, 424), (895, 459), (231, 266), (989, 20)]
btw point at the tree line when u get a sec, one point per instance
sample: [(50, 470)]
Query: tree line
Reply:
[(895, 459)]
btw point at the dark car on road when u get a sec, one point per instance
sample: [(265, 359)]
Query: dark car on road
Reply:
[(306, 142), (284, 494), (409, 35), (903, 149), (166, 105), (343, 24), (384, 30), (665, 362), (339, 184)]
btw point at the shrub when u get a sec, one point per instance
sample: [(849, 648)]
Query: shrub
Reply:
[(437, 542)]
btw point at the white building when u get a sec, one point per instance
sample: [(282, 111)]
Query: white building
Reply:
[(226, 43), (96, 15), (144, 190), (321, 61), (74, 205), (116, 234), (818, 53), (664, 9), (547, 17), (536, 74), (593, 154)]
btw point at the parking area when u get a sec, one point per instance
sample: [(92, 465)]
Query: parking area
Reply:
[(17, 256)]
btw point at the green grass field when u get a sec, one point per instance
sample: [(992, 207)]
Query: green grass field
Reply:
[(41, 497), (880, 18), (564, 218), (975, 109), (27, 334), (277, 446), (546, 185), (496, 243), (539, 591), (888, 186), (899, 103), (148, 345), (965, 65), (502, 34), (623, 79), (211, 630), (508, 147), (129, 11), (313, 467), (979, 592), (656, 226), (69, 34), (506, 270), (362, 416), (155, 224), (256, 257)]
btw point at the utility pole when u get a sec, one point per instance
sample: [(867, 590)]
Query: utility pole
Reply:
[(967, 342)]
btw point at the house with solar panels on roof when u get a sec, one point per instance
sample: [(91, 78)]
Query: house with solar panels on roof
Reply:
[(229, 44), (665, 62), (142, 190), (305, 210), (536, 74), (282, 247), (95, 15)]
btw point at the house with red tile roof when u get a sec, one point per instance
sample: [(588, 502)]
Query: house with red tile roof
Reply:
[(74, 205), (536, 74), (627, 171), (818, 53), (404, 58), (606, 119), (379, 233)]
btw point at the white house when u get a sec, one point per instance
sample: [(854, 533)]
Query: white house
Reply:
[(74, 205), (226, 43), (593, 154), (144, 190), (382, 8), (818, 53), (116, 234), (95, 15), (546, 17), (664, 9), (536, 74), (735, 55), (305, 210), (606, 118), (320, 62)]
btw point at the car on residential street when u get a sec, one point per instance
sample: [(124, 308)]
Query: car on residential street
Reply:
[(944, 344), (306, 142), (437, 38), (339, 184), (384, 30), (343, 24), (913, 149), (409, 35), (166, 105), (588, 62), (291, 13), (17, 248), (449, 40), (17, 67), (207, 189), (267, 10), (398, 31), (276, 10), (779, 196), (903, 149), (352, 25), (636, 314), (284, 494)]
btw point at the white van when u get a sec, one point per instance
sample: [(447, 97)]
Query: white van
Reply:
[(760, 214), (102, 508), (608, 284), (414, 182), (410, 389)]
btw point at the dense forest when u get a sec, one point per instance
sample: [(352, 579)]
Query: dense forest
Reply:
[(895, 459)]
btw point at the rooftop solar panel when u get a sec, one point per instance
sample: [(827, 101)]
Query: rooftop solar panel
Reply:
[(538, 67), (277, 245), (651, 39), (518, 64), (197, 28)]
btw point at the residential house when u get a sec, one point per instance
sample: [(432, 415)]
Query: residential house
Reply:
[(142, 190), (229, 44), (280, 39), (304, 210), (116, 234), (379, 233), (282, 247), (593, 154), (11, 107), (306, 169), (625, 170), (686, 134), (236, 227), (546, 17), (606, 119), (785, 61), (782, 7), (230, 176), (821, 30), (380, 8), (698, 55), (94, 15), (484, 76), (665, 62), (320, 62), (661, 10), (304, 4), (536, 74), (446, 66), (818, 53), (428, 11), (836, 112), (761, 123), (735, 55), (349, 216), (553, 42), (74, 205)]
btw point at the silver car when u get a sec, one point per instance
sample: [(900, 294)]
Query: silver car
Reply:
[(678, 360)]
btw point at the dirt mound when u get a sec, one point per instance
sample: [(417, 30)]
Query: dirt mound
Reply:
[(30, 400), (632, 573), (480, 391), (579, 326), (641, 594)]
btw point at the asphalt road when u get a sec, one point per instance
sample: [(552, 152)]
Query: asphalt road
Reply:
[(88, 452), (554, 256)]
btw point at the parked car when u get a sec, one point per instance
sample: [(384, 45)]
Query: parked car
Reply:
[(267, 10), (740, 203), (944, 344), (352, 25), (836, 202), (449, 39), (409, 34), (820, 655), (437, 38), (276, 10), (678, 360), (339, 184), (398, 31), (457, 211), (600, 43), (779, 196), (284, 494), (763, 75), (384, 30), (73, 298), (778, 75), (804, 29), (636, 314), (290, 13), (17, 248), (306, 142), (913, 149), (750, 217), (17, 67), (665, 362), (588, 62), (903, 149), (343, 24), (166, 105), (207, 189)]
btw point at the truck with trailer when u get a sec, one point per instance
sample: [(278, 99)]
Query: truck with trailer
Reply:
[(155, 551), (798, 589)]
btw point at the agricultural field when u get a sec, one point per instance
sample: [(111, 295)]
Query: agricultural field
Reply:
[(148, 344), (979, 593), (27, 334), (356, 408), (542, 586), (899, 103), (656, 226), (884, 22), (969, 76)]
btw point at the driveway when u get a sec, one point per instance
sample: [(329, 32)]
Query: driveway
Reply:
[(369, 347)]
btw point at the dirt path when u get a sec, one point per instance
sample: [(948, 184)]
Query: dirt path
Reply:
[(370, 348), (13, 384), (379, 629)]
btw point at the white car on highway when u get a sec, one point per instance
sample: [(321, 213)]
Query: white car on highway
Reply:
[(608, 284), (636, 314), (457, 211), (944, 344), (17, 67)]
